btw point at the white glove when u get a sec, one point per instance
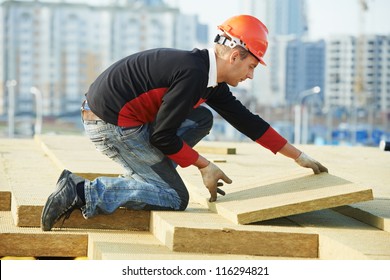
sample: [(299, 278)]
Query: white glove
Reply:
[(306, 161), (210, 175)]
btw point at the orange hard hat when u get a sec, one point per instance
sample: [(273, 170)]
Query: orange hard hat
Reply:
[(248, 32)]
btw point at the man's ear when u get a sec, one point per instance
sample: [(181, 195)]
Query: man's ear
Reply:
[(234, 55)]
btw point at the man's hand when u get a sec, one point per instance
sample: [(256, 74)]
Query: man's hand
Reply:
[(306, 161), (211, 174)]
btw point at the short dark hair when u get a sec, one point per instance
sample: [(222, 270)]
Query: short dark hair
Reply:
[(220, 50)]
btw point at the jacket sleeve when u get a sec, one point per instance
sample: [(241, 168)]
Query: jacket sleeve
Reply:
[(251, 125)]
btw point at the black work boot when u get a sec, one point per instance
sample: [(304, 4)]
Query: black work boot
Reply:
[(62, 201)]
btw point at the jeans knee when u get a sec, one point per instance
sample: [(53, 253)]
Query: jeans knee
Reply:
[(184, 199), (183, 206)]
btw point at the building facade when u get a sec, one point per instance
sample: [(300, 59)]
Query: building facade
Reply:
[(61, 47), (358, 76), (305, 68)]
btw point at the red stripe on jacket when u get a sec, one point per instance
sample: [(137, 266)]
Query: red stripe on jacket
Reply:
[(142, 109), (201, 100)]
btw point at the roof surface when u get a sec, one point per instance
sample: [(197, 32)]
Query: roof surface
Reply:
[(274, 209)]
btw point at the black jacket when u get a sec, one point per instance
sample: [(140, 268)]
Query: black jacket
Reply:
[(164, 85)]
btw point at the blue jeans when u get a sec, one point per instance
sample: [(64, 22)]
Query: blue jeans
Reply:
[(151, 181)]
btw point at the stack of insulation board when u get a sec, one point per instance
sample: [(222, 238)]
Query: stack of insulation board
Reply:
[(274, 209)]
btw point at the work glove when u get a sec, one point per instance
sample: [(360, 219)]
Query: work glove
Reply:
[(306, 161), (210, 175)]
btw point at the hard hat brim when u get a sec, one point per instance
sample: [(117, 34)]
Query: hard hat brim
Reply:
[(262, 61)]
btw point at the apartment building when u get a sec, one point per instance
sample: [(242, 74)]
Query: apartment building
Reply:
[(357, 76), (305, 68), (61, 47)]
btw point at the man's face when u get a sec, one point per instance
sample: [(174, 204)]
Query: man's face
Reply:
[(240, 70)]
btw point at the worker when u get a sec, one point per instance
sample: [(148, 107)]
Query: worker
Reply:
[(145, 112)]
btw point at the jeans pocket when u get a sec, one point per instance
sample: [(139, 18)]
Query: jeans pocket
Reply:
[(128, 131)]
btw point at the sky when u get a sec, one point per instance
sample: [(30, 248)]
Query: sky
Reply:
[(326, 17)]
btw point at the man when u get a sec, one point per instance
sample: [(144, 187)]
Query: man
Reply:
[(144, 113)]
